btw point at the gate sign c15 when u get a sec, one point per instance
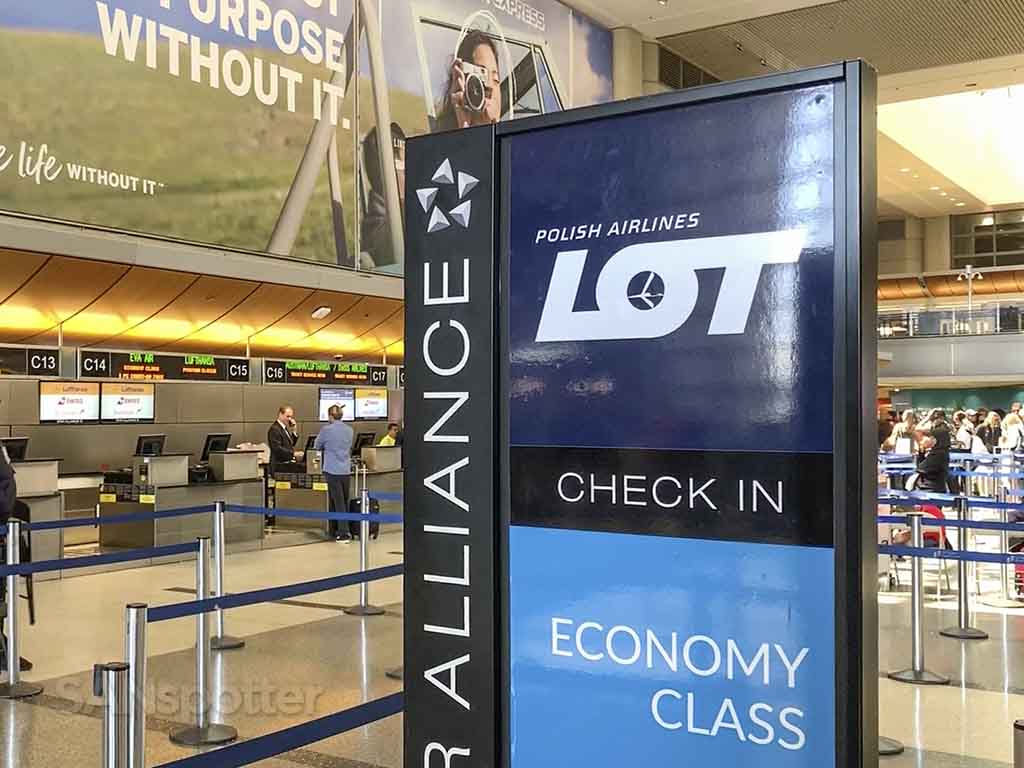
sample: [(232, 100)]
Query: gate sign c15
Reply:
[(686, 370)]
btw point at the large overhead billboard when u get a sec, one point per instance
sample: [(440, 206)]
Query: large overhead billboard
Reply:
[(232, 124)]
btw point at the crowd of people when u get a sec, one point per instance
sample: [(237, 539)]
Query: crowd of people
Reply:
[(932, 437)]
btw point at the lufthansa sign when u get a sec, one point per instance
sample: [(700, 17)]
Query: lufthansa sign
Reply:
[(640, 471)]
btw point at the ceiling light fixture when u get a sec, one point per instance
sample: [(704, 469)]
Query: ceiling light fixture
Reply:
[(960, 205), (662, 2), (904, 170), (320, 313), (934, 189), (944, 194)]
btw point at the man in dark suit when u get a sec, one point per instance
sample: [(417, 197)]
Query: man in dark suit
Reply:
[(282, 437), (9, 507)]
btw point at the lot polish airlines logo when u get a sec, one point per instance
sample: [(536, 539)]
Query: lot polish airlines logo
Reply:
[(446, 177), (649, 290)]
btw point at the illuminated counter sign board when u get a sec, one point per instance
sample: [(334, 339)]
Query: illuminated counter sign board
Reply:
[(323, 372), (676, 569), (69, 402), (371, 403), (148, 366), (29, 361), (127, 402)]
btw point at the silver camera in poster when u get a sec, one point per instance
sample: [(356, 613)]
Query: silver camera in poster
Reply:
[(475, 93)]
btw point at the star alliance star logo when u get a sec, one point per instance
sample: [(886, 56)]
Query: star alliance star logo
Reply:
[(460, 214)]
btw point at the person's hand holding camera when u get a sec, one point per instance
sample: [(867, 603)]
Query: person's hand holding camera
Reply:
[(472, 94)]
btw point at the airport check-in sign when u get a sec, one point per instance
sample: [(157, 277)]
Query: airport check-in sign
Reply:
[(636, 477)]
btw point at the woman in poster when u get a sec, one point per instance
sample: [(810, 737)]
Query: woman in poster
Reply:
[(473, 94)]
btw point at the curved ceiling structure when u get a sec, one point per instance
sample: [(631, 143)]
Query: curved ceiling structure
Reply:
[(120, 306)]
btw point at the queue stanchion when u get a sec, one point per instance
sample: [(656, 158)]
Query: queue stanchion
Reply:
[(365, 608), (963, 630), (135, 655), (917, 674), (1018, 744), (1006, 598), (204, 732), (221, 640), (14, 688), (111, 682), (889, 747)]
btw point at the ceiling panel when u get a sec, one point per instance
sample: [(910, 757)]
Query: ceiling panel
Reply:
[(893, 35), (203, 302), (298, 324), (117, 306), (140, 293), (351, 332), (54, 293), (267, 305)]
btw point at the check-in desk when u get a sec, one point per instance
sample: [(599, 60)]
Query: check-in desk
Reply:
[(168, 488), (38, 488), (303, 492), (384, 474)]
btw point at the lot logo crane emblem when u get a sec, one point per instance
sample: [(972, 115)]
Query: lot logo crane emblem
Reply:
[(445, 177)]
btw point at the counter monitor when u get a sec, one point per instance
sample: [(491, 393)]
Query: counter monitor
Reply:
[(16, 447), (363, 440), (127, 403), (371, 403), (338, 396), (68, 402), (215, 443), (150, 445)]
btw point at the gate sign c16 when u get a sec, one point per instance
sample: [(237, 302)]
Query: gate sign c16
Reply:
[(684, 470)]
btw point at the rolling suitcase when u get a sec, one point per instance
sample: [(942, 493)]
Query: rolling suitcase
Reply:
[(355, 507)]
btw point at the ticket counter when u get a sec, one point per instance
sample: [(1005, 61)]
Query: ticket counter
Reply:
[(38, 489)]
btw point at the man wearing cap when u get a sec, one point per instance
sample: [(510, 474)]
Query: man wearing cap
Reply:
[(335, 443)]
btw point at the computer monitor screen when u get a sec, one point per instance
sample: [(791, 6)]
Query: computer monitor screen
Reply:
[(120, 403), (363, 440), (16, 447), (215, 443), (372, 403), (310, 442), (338, 396), (150, 445), (68, 402)]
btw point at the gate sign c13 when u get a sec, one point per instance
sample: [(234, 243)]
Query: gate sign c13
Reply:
[(671, 314)]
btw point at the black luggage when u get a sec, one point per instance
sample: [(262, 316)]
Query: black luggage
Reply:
[(355, 507)]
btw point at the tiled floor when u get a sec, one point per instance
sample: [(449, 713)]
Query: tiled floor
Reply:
[(305, 658)]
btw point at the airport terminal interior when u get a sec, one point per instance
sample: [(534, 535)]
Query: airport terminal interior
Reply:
[(206, 238)]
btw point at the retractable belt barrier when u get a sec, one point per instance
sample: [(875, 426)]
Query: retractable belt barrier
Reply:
[(353, 517), (946, 500), (938, 522), (999, 558), (89, 561), (131, 517), (272, 744), (270, 594)]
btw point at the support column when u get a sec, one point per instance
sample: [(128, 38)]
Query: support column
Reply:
[(627, 63)]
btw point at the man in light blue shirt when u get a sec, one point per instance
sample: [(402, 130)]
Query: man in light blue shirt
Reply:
[(335, 443)]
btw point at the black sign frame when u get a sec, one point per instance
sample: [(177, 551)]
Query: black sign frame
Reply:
[(100, 364), (276, 371), (427, 718), (39, 362)]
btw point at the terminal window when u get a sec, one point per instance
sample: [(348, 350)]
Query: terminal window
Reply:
[(988, 239)]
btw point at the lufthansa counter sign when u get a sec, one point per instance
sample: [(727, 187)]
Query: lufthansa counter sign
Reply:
[(640, 478)]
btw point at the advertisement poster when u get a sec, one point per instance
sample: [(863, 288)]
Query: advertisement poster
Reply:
[(670, 326), (232, 124), (127, 402), (68, 402)]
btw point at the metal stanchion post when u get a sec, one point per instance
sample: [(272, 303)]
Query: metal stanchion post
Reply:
[(135, 622), (111, 682), (1018, 744), (963, 631), (888, 747), (365, 608), (14, 688), (1005, 599), (221, 641), (917, 674), (204, 732)]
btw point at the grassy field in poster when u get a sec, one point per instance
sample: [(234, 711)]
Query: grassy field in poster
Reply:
[(226, 162)]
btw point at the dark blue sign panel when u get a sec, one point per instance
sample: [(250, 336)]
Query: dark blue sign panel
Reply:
[(671, 333)]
